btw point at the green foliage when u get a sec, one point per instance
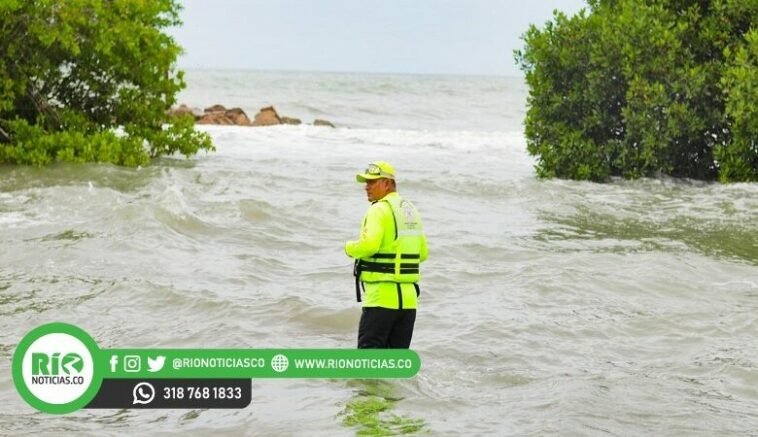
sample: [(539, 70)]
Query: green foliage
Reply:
[(90, 81), (739, 159), (371, 416), (639, 88)]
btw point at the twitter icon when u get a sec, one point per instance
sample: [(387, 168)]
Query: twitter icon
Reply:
[(155, 364)]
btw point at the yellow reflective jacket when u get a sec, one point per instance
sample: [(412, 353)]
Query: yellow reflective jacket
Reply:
[(391, 247)]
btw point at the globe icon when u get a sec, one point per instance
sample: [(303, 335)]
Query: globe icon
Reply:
[(279, 363)]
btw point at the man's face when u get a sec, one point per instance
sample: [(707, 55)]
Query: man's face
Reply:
[(376, 189)]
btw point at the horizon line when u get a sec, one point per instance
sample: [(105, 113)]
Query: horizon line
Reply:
[(347, 72)]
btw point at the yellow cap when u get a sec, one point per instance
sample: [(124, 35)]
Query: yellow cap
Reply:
[(376, 170)]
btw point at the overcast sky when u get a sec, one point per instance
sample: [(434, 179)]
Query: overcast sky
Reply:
[(388, 36)]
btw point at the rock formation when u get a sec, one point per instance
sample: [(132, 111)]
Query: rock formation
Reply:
[(290, 120), (214, 118), (238, 116), (183, 110), (267, 117), (216, 108), (319, 122), (218, 114)]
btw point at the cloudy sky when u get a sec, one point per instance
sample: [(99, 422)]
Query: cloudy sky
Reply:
[(388, 36)]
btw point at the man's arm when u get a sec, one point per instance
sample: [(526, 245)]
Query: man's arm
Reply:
[(372, 232)]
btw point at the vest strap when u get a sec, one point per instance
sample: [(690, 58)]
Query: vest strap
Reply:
[(392, 256), (368, 266), (357, 274), (399, 296)]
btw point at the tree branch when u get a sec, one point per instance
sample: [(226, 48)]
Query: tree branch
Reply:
[(4, 136), (44, 108)]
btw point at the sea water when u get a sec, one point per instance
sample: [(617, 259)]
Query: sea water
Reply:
[(548, 307)]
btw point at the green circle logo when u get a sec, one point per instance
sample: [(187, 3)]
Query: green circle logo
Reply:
[(54, 368)]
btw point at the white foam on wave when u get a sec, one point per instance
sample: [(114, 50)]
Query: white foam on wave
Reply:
[(465, 140), (457, 151), (13, 220)]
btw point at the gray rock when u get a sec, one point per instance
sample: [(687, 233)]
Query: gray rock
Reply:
[(290, 120), (216, 108), (319, 122)]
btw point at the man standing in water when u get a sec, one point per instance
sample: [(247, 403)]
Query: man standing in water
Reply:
[(387, 257)]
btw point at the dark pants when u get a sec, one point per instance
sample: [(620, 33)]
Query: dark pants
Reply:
[(383, 328)]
